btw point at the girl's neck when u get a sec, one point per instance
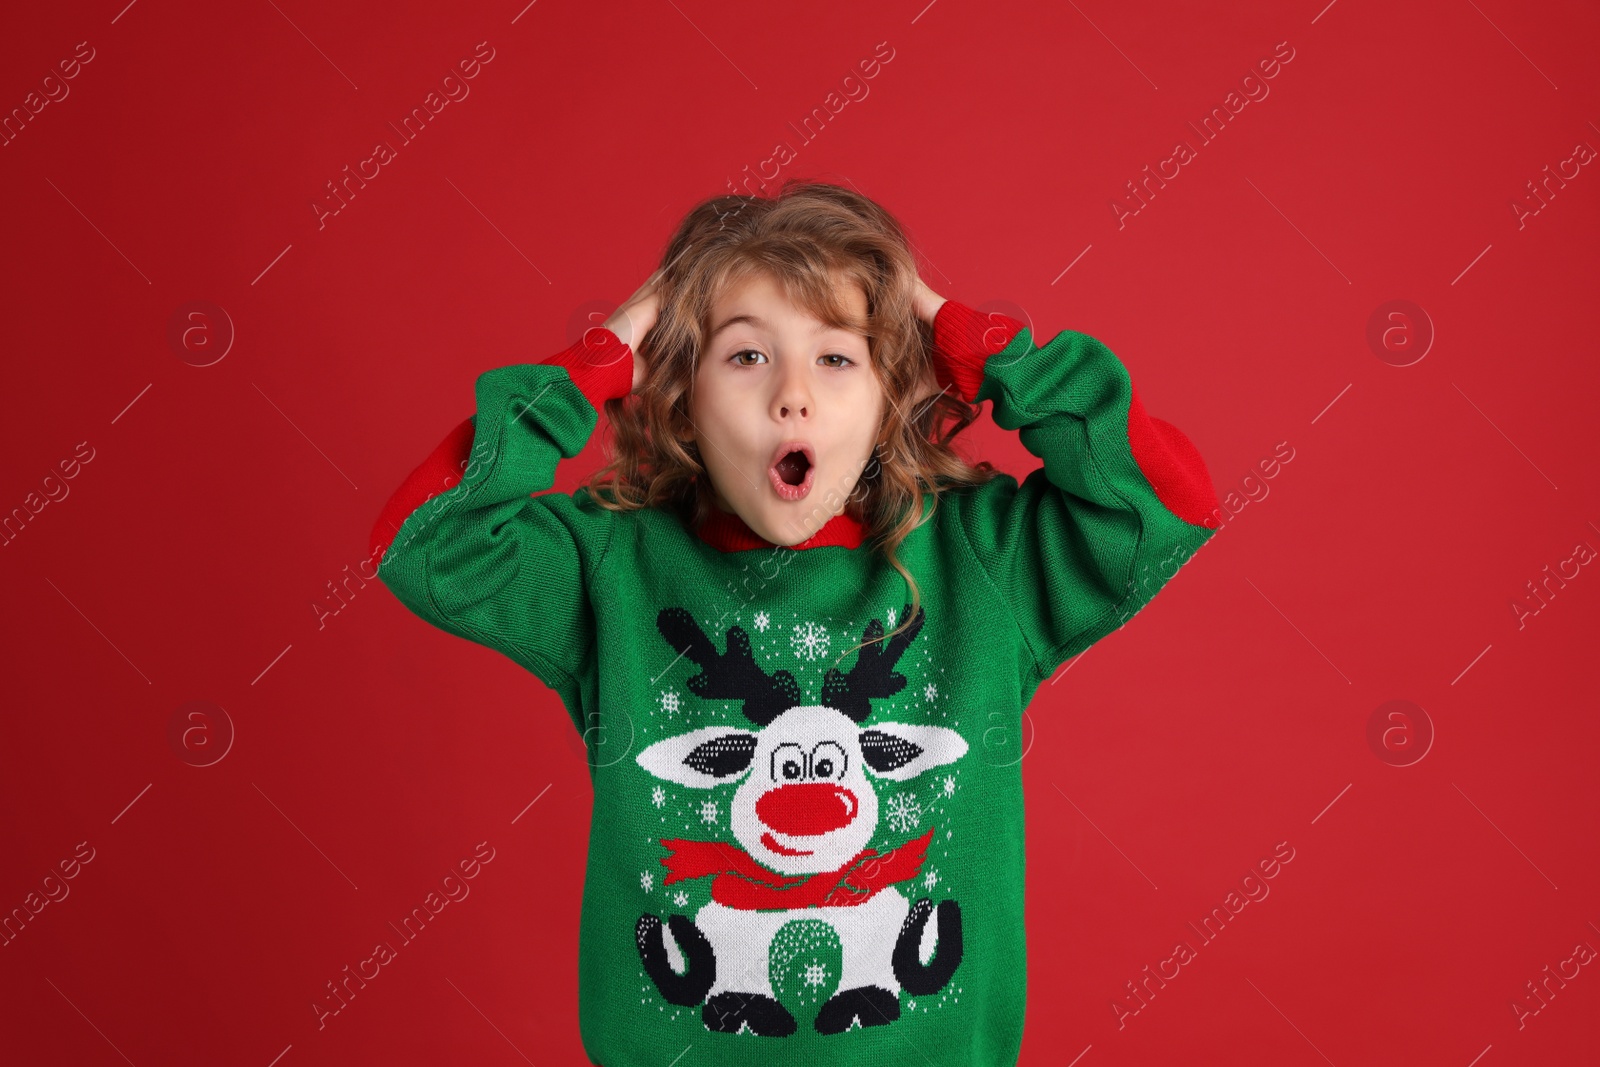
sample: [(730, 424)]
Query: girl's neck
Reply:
[(728, 532)]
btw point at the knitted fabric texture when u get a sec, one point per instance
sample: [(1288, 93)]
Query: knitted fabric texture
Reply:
[(803, 851)]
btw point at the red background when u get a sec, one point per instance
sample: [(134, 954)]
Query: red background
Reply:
[(373, 752)]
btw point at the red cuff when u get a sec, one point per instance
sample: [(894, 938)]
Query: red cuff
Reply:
[(601, 365), (963, 341)]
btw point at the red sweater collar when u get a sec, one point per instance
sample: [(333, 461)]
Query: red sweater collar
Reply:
[(727, 532)]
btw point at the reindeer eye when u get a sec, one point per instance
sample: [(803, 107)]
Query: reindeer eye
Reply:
[(827, 760), (788, 762)]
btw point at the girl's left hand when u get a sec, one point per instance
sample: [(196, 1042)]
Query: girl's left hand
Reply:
[(926, 301)]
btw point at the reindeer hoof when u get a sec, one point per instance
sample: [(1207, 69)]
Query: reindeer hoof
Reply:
[(725, 1013), (873, 1005), (917, 979), (690, 987)]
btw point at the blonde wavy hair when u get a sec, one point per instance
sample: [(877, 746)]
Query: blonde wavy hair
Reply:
[(808, 237)]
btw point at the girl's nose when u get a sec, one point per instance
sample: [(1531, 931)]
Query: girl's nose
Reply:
[(804, 809), (794, 395), (793, 401)]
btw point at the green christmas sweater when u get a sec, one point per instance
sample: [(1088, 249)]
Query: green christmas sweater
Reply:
[(802, 852)]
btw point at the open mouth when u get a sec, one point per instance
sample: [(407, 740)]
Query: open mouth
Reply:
[(792, 470)]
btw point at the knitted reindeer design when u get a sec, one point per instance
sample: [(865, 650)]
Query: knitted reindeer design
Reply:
[(802, 815)]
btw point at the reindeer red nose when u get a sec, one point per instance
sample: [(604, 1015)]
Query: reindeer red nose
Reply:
[(807, 808)]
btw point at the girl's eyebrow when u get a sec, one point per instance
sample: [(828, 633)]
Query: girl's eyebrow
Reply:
[(754, 320), (761, 324)]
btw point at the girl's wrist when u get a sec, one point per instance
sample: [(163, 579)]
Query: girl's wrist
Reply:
[(619, 328)]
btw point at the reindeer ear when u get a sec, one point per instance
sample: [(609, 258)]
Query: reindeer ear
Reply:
[(899, 750), (886, 752), (701, 758)]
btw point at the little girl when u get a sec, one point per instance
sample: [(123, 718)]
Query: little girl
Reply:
[(795, 629)]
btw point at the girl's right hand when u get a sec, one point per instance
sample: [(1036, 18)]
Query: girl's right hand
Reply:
[(634, 318)]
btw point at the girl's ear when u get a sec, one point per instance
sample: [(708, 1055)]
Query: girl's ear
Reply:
[(927, 384)]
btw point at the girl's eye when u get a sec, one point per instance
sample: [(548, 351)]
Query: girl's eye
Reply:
[(752, 352)]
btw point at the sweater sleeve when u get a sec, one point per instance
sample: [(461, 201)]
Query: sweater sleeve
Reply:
[(498, 557), (1122, 499)]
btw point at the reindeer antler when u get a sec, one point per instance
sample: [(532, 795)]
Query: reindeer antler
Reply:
[(873, 674), (732, 675)]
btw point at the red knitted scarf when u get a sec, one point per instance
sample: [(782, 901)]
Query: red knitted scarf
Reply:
[(742, 882)]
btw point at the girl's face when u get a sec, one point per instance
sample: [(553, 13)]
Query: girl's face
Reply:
[(773, 379)]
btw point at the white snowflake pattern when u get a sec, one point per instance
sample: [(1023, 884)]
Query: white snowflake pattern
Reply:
[(658, 796), (930, 691), (891, 613), (669, 701), (681, 899), (949, 785), (810, 640), (930, 879), (816, 974), (904, 812), (708, 812), (647, 881), (763, 620)]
